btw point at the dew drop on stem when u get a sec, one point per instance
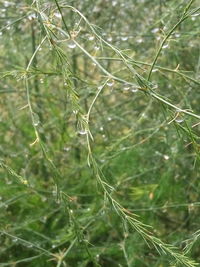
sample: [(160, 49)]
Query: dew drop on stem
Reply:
[(36, 119), (110, 83), (179, 120), (96, 48), (134, 89), (155, 30), (82, 132), (126, 87), (165, 46), (71, 45), (154, 70)]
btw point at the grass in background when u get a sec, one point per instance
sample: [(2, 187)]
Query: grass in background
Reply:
[(99, 133)]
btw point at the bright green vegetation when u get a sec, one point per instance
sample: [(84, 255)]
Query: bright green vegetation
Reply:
[(99, 133)]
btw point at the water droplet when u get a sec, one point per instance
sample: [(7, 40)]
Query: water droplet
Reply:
[(101, 129), (96, 48), (134, 89), (15, 240), (114, 3), (110, 83), (7, 4), (124, 38), (96, 9), (32, 16), (82, 132), (43, 219), (24, 181), (53, 246), (66, 148), (44, 199), (155, 86), (58, 201), (143, 115), (179, 120), (102, 212), (57, 15), (155, 30), (126, 87), (195, 15), (177, 35), (109, 39), (36, 119), (165, 46), (139, 41), (91, 38), (154, 70), (71, 45), (109, 118), (41, 81), (166, 157)]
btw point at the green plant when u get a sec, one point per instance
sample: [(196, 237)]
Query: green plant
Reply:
[(92, 133)]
